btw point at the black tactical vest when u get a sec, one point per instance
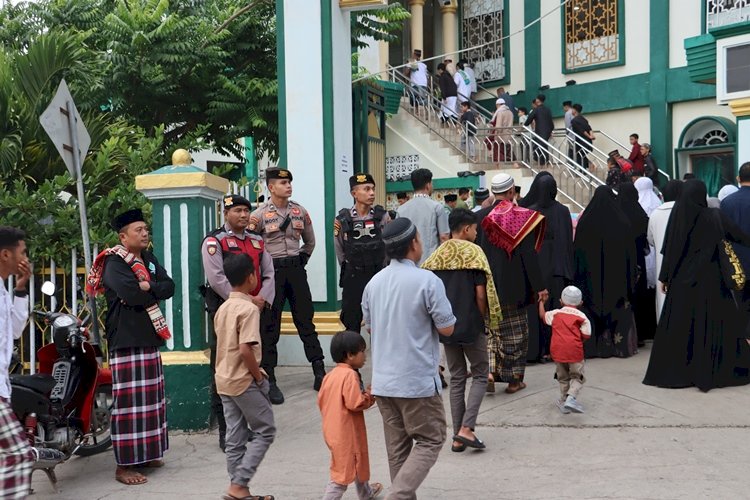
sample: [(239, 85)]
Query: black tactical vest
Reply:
[(363, 245)]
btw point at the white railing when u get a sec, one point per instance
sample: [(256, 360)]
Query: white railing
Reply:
[(726, 12)]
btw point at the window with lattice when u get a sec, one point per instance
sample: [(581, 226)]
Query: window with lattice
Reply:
[(482, 25), (592, 33)]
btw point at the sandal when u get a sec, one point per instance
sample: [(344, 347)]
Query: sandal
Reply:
[(520, 386), (376, 488), (471, 443), (458, 448), (130, 477), (490, 385)]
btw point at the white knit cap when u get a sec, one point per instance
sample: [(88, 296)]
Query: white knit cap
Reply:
[(500, 101), (571, 296), (501, 183)]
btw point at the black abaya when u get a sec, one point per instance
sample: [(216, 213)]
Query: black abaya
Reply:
[(605, 271), (700, 340), (555, 256)]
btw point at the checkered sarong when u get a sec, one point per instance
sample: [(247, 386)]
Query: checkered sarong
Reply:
[(139, 414), (16, 455), (508, 346)]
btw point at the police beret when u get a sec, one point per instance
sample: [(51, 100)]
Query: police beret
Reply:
[(235, 200), (278, 173), (358, 179), (125, 218)]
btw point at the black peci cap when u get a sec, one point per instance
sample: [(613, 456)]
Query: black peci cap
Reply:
[(125, 218)]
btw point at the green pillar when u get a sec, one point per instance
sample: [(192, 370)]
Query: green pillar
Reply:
[(184, 210)]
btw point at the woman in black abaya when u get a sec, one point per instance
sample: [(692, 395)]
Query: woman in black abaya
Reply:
[(700, 338), (555, 256), (605, 268), (642, 300)]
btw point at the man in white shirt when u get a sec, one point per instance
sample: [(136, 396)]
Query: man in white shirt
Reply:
[(469, 70), (417, 72), (463, 83), (16, 455), (568, 120)]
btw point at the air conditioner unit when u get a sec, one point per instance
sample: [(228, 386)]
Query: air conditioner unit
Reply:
[(732, 68)]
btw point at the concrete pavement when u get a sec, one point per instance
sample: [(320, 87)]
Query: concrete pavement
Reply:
[(633, 442)]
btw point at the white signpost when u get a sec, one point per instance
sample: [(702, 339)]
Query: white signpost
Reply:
[(65, 127)]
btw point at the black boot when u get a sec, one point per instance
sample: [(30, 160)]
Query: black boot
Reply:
[(274, 393), (319, 370)]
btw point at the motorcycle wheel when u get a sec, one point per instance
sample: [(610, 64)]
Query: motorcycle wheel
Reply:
[(100, 423)]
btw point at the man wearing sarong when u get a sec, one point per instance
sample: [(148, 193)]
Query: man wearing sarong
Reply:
[(511, 236), (134, 282)]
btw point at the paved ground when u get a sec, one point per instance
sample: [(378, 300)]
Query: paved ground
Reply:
[(633, 442)]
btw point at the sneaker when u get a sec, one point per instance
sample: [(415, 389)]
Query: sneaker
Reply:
[(573, 405), (560, 403), (275, 395)]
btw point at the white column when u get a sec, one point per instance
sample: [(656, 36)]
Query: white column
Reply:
[(417, 25)]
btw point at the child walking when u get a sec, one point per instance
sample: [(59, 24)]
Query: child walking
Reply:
[(342, 400), (570, 328), (465, 272), (241, 383)]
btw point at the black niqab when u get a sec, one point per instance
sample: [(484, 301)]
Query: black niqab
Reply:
[(542, 192), (627, 195), (672, 190)]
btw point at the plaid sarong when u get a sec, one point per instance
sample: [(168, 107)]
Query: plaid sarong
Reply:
[(16, 455), (139, 413), (508, 347)]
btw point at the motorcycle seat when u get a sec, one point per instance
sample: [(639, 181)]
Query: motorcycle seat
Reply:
[(39, 382)]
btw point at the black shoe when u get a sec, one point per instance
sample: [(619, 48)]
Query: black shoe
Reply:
[(319, 369), (275, 394), (222, 442), (442, 381)]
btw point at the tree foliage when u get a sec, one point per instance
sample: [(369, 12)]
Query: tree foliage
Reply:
[(382, 24)]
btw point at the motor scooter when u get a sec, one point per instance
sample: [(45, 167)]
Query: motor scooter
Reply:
[(66, 406)]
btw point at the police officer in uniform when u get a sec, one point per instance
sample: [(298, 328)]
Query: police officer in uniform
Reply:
[(359, 247), (282, 222), (233, 237)]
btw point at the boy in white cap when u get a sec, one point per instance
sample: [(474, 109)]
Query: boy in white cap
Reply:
[(570, 328)]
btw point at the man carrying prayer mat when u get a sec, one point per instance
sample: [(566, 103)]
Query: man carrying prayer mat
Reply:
[(511, 236), (134, 282)]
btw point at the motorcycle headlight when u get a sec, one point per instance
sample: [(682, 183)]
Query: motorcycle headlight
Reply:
[(63, 322)]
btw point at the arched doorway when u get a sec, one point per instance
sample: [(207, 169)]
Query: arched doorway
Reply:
[(707, 148)]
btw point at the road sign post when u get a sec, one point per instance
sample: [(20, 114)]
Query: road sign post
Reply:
[(65, 127)]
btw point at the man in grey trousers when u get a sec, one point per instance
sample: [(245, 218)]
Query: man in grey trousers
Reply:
[(405, 308)]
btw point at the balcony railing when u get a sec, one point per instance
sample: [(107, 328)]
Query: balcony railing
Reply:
[(725, 12)]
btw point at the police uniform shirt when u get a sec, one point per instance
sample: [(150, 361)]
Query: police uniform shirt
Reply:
[(340, 236), (268, 220), (213, 266)]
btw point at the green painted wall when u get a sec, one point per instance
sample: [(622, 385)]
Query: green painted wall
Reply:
[(661, 109), (188, 391), (281, 74)]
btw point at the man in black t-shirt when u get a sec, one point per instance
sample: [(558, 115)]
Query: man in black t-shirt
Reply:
[(468, 129), (463, 269), (583, 134)]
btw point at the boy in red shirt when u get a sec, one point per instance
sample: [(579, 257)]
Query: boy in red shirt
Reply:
[(570, 328)]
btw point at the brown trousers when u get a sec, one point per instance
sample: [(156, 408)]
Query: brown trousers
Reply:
[(414, 435)]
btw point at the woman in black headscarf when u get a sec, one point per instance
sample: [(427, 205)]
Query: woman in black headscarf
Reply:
[(555, 256), (642, 299), (605, 268), (700, 339)]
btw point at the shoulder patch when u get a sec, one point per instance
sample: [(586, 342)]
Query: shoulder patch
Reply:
[(336, 227)]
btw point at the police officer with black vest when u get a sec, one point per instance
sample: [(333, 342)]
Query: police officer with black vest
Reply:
[(233, 237), (359, 247), (283, 223)]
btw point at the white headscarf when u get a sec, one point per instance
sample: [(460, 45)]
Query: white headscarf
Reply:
[(726, 191), (646, 196)]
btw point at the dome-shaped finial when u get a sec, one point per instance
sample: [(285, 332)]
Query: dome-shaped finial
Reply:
[(181, 157)]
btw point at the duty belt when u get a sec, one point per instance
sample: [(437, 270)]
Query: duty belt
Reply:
[(294, 261)]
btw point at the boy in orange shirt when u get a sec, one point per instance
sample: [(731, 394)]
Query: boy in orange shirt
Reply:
[(241, 383), (570, 328), (342, 400)]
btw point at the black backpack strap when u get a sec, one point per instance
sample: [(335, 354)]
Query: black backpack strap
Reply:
[(345, 217), (379, 213)]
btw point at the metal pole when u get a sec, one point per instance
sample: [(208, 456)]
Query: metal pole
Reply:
[(84, 220)]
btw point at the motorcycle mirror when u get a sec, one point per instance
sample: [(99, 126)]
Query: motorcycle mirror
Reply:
[(48, 288)]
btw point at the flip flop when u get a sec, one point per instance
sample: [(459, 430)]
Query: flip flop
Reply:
[(471, 443)]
